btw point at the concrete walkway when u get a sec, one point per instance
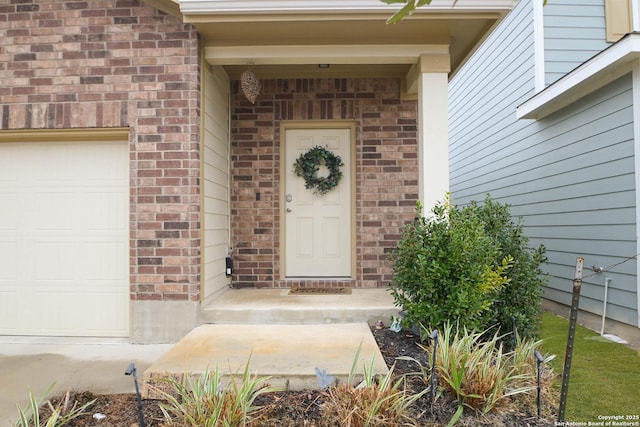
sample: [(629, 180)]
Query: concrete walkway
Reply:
[(278, 306), (288, 354), (97, 367), (283, 336)]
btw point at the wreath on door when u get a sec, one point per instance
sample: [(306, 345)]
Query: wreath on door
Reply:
[(308, 165)]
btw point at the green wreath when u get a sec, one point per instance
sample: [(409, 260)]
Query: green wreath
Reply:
[(308, 165)]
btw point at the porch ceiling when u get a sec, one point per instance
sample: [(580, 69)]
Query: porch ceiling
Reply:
[(291, 37)]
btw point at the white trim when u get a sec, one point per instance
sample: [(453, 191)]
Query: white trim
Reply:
[(538, 36), (321, 54), (635, 15), (323, 6), (600, 70), (636, 143), (433, 139)]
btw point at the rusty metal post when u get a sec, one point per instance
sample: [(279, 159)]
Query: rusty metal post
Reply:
[(539, 362), (434, 378), (573, 319)]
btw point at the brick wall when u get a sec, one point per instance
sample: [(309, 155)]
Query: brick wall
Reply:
[(386, 158), (118, 63)]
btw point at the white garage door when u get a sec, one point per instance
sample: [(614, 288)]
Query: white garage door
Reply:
[(64, 239)]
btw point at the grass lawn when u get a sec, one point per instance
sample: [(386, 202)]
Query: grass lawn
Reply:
[(605, 376)]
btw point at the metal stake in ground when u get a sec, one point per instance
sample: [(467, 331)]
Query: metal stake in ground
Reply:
[(131, 370), (539, 360), (573, 319), (434, 378)]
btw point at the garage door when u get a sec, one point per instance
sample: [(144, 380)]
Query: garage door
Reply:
[(64, 239)]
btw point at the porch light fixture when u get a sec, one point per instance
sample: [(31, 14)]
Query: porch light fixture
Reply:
[(250, 84)]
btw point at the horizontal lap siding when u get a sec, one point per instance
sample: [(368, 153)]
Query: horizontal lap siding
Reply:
[(482, 100), (585, 199), (574, 31), (569, 176), (216, 179)]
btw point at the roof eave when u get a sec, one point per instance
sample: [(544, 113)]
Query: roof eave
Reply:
[(170, 7), (189, 7), (605, 67)]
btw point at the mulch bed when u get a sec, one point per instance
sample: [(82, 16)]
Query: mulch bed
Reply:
[(304, 408)]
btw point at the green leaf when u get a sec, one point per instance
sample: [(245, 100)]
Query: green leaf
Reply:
[(454, 419)]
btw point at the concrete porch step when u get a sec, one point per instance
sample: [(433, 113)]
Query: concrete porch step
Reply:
[(276, 306), (288, 354)]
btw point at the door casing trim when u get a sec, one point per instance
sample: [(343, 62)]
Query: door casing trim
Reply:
[(317, 124)]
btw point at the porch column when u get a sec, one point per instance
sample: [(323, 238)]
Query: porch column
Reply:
[(430, 77)]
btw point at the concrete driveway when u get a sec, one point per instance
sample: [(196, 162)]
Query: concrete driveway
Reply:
[(98, 367)]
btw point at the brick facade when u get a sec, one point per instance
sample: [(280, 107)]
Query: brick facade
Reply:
[(386, 158), (118, 63)]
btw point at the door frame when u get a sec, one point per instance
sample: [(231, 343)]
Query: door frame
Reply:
[(316, 124)]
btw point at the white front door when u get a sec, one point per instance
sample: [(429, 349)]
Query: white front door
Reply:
[(317, 227)]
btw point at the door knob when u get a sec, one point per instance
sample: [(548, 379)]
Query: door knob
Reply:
[(289, 209)]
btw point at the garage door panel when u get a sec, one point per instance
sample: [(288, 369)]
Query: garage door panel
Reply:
[(8, 260), (55, 260), (9, 308), (8, 211), (97, 208), (67, 238), (103, 261), (54, 211), (63, 312), (108, 308), (101, 173)]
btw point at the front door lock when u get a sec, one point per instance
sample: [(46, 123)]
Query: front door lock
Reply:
[(289, 198)]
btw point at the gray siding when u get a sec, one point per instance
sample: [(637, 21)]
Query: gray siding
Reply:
[(574, 31), (482, 100), (569, 176), (583, 201)]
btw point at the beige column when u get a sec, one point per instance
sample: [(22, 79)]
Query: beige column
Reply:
[(429, 77)]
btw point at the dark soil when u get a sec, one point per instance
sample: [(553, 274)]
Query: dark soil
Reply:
[(304, 408)]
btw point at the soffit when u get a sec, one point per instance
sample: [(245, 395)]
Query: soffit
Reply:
[(252, 26), (252, 39)]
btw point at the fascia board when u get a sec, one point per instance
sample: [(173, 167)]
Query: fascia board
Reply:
[(324, 6), (316, 54), (170, 7), (605, 67)]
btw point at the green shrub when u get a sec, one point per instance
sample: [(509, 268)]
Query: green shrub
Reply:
[(521, 299), (470, 265)]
